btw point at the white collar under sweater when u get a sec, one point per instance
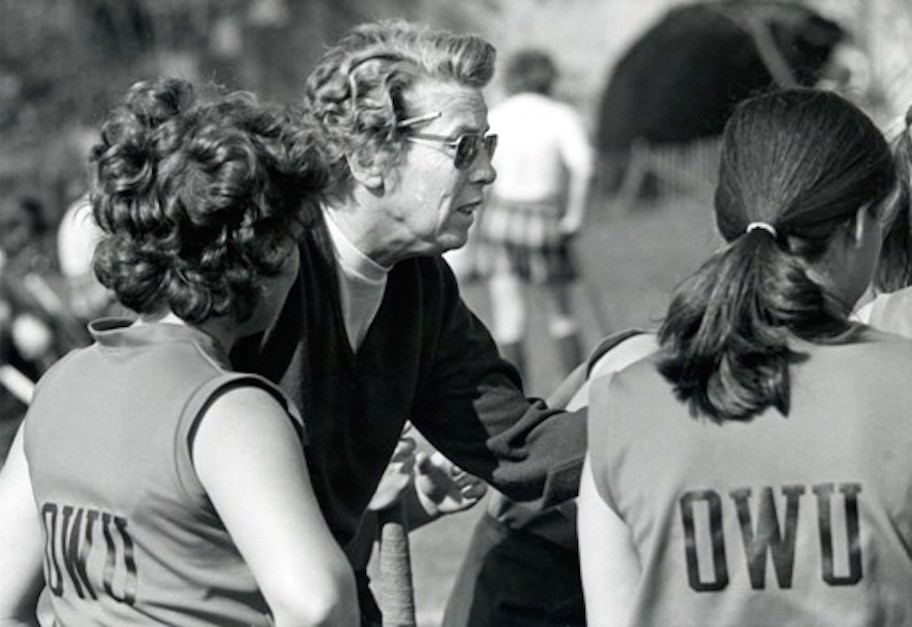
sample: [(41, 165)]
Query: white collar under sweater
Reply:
[(362, 282)]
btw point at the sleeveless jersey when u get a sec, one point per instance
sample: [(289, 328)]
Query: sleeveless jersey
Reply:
[(131, 537), (797, 520)]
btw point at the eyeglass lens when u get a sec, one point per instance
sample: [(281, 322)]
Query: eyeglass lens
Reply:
[(468, 147)]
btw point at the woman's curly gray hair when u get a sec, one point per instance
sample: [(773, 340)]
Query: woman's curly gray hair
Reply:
[(359, 90)]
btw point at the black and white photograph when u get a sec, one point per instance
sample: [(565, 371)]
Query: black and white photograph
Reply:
[(426, 313)]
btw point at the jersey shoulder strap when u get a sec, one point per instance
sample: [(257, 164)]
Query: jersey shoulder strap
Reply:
[(607, 344)]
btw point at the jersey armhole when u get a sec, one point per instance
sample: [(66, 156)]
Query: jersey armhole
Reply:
[(599, 438), (192, 418)]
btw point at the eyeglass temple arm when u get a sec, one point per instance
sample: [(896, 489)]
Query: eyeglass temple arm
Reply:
[(427, 117)]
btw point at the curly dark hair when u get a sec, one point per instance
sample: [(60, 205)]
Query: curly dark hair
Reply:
[(359, 90), (197, 198)]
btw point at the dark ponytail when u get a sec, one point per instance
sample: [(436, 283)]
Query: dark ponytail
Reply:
[(725, 335), (801, 163)]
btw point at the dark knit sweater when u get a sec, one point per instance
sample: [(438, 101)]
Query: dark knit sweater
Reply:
[(426, 358)]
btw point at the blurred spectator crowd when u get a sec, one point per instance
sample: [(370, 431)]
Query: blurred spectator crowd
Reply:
[(48, 291)]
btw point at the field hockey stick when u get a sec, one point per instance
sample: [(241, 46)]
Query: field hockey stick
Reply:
[(17, 383), (397, 594)]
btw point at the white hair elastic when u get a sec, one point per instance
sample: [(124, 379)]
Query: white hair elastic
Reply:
[(766, 226)]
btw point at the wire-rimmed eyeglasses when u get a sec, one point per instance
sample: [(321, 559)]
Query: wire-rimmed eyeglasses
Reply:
[(466, 145)]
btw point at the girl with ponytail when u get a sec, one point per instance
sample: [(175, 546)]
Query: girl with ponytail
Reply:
[(788, 186), (767, 422)]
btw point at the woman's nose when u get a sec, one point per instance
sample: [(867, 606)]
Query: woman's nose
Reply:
[(483, 171)]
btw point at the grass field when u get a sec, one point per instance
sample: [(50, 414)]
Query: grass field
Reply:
[(632, 259)]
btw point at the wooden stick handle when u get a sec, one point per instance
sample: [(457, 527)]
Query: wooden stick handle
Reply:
[(397, 595)]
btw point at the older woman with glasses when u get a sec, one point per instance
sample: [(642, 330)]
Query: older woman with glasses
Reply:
[(375, 332)]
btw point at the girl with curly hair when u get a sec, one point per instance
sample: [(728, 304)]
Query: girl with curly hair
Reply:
[(156, 484)]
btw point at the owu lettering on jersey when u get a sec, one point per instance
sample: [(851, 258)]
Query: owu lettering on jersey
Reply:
[(766, 537), (89, 545)]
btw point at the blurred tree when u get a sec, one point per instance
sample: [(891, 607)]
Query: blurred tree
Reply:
[(63, 62), (880, 31), (60, 63)]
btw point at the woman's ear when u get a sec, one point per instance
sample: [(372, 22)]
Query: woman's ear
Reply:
[(867, 221), (369, 175)]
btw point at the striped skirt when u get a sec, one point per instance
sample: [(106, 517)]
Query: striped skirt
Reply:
[(523, 238)]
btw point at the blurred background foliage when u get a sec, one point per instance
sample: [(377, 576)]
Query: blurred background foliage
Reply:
[(64, 62)]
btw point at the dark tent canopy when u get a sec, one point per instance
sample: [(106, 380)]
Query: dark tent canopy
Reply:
[(681, 79)]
